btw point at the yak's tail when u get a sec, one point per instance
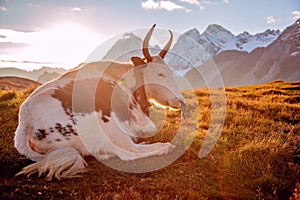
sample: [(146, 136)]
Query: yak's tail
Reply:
[(63, 162)]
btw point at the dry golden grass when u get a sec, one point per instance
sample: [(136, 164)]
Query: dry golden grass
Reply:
[(256, 157)]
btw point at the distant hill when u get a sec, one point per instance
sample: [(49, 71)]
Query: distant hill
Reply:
[(16, 83), (47, 76), (41, 75)]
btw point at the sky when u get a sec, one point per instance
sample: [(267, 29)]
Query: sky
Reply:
[(64, 33)]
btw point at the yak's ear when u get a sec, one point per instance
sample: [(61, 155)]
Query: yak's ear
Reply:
[(137, 61)]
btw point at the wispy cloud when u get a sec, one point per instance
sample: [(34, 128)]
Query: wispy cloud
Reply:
[(270, 20), (201, 4), (195, 3), (226, 1), (192, 2), (2, 8), (162, 5), (296, 14), (76, 9), (209, 2)]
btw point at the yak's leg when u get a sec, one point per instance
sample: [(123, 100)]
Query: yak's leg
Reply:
[(126, 149), (102, 140)]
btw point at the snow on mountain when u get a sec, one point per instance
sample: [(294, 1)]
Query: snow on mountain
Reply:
[(247, 42), (280, 60), (216, 39), (193, 48), (187, 52), (124, 48)]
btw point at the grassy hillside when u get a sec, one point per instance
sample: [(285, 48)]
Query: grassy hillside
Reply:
[(16, 83), (256, 157)]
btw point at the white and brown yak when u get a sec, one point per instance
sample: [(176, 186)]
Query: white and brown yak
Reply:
[(95, 109)]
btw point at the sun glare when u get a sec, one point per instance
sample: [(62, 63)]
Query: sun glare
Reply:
[(67, 44)]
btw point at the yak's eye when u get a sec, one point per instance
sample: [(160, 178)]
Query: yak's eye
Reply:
[(161, 75)]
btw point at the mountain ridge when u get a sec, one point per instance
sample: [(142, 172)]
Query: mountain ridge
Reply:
[(198, 48), (280, 60), (41, 75), (242, 59)]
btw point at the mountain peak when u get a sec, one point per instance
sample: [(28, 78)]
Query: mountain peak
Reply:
[(244, 34), (271, 32), (193, 31), (291, 32), (215, 28), (124, 48)]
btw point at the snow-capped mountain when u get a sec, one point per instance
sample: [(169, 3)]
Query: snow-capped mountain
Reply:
[(248, 42), (124, 48), (197, 48), (280, 60)]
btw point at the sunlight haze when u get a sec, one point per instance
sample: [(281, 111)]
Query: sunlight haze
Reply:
[(65, 33)]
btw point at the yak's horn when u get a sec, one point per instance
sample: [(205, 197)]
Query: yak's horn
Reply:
[(165, 50), (146, 44)]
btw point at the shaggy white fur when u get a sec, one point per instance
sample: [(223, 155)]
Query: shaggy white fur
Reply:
[(63, 162)]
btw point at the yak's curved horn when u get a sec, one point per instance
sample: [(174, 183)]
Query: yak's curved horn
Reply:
[(146, 44), (165, 50)]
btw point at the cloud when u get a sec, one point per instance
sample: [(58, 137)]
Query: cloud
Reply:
[(6, 47), (226, 1), (199, 3), (296, 14), (76, 9), (270, 20), (2, 8), (208, 2), (159, 5), (13, 36), (192, 2)]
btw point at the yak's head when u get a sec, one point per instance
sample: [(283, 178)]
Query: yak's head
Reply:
[(156, 77)]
